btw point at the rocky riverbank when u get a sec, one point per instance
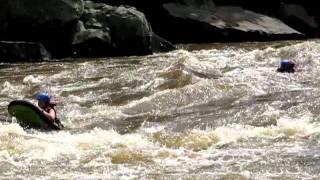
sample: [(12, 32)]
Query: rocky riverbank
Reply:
[(74, 28), (100, 28), (191, 21)]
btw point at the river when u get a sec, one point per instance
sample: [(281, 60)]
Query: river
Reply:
[(210, 111)]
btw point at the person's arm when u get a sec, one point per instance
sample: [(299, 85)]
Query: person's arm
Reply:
[(51, 115)]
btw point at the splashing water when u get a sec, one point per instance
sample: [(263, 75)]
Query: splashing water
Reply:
[(215, 112)]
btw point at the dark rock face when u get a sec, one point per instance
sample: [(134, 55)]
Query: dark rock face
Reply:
[(34, 19), (49, 22), (76, 28), (301, 16), (98, 28), (38, 12), (228, 23), (118, 30), (105, 30), (22, 51), (91, 42), (298, 17), (159, 44), (130, 30), (92, 35)]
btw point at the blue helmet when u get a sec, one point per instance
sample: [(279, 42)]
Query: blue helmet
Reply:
[(44, 97), (286, 63)]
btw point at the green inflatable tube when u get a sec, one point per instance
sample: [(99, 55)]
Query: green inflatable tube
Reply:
[(28, 115)]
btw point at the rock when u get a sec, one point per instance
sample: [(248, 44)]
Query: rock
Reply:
[(50, 22), (78, 28), (297, 16), (302, 16), (38, 12), (227, 23), (161, 45), (105, 30), (199, 4), (22, 51), (130, 30), (92, 42)]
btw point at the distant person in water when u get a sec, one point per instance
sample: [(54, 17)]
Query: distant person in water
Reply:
[(47, 106), (287, 66)]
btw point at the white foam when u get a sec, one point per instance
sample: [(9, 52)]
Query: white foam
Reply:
[(12, 91), (243, 74), (31, 79)]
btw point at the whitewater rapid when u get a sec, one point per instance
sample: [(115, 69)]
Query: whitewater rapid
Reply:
[(208, 112)]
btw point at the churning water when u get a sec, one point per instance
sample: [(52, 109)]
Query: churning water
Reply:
[(206, 112)]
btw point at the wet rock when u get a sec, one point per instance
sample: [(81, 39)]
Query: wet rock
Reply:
[(38, 12), (105, 30), (226, 23), (159, 44), (92, 41), (20, 18), (79, 28), (22, 51), (117, 30), (50, 22), (301, 16), (298, 17)]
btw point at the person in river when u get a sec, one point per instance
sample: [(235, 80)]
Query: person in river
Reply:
[(287, 65), (47, 105)]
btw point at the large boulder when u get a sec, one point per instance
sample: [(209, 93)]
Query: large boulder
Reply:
[(38, 12), (50, 22), (79, 28), (22, 51), (302, 16), (225, 23), (158, 44), (298, 17), (105, 30), (19, 18)]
